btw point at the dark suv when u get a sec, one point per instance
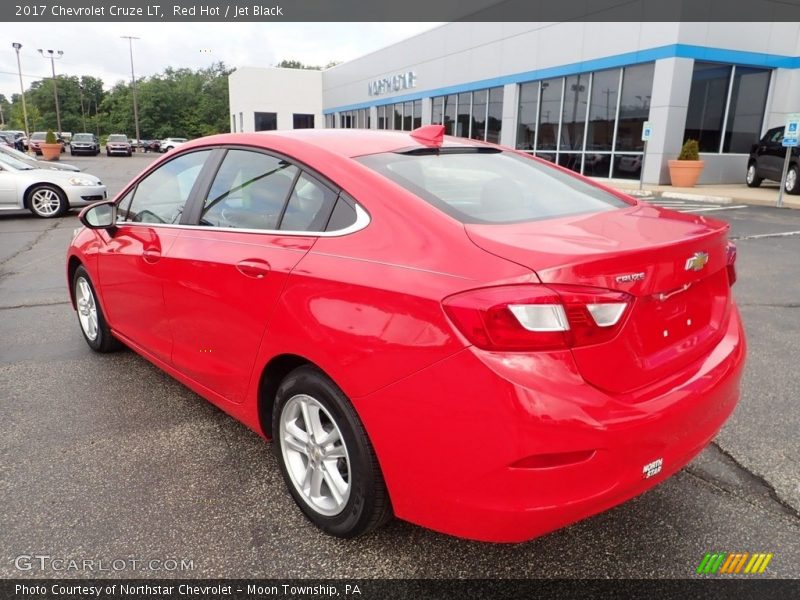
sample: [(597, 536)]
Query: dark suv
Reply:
[(84, 143), (766, 162)]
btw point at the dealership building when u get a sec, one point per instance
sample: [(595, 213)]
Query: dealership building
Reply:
[(577, 93)]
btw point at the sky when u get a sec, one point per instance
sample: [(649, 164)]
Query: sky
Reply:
[(96, 49)]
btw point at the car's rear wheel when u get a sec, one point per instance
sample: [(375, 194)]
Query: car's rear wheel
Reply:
[(93, 323), (791, 184), (752, 179), (47, 201), (326, 457)]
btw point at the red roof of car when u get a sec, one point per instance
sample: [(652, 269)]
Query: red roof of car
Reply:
[(344, 142)]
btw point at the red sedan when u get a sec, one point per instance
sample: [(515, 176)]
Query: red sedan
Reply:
[(452, 332)]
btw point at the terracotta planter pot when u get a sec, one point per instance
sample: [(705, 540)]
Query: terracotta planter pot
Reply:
[(685, 173), (50, 151)]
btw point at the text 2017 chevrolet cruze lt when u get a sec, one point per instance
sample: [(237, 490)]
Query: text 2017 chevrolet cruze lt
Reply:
[(435, 328)]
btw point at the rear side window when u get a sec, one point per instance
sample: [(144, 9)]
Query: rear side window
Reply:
[(487, 186), (309, 206), (343, 215), (249, 191)]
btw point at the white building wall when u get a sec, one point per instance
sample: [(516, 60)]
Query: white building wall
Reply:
[(282, 91)]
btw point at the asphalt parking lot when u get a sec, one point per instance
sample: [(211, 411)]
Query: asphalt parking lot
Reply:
[(106, 457)]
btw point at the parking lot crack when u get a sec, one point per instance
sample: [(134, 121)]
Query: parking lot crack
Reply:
[(18, 306), (32, 244), (771, 305), (752, 488), (762, 236)]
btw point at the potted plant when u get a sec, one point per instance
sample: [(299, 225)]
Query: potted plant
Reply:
[(685, 171), (51, 148)]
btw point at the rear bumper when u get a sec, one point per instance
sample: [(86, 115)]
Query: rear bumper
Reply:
[(447, 438)]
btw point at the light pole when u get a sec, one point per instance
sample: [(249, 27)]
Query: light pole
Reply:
[(17, 46), (133, 83), (53, 55), (83, 112)]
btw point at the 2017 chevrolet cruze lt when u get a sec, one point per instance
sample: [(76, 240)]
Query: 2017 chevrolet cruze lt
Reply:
[(435, 328)]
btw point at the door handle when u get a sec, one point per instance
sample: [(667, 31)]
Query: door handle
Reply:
[(151, 255), (253, 267)]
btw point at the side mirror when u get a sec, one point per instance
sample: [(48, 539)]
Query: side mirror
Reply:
[(102, 215)]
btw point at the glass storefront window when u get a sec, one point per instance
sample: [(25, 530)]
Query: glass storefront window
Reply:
[(596, 165), (417, 114), (627, 166), (494, 115), (398, 116), (746, 110), (603, 111), (570, 160), (549, 113), (478, 129), (463, 119), (526, 117), (573, 121), (436, 110), (707, 100), (634, 106), (450, 114), (408, 115)]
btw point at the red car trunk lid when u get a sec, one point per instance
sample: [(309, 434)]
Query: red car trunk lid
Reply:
[(673, 264)]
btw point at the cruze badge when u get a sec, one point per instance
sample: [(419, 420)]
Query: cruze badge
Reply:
[(653, 468), (696, 262), (630, 277)]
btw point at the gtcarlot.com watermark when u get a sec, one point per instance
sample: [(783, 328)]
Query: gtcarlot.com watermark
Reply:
[(45, 563)]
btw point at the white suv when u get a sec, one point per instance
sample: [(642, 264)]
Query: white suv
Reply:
[(171, 142)]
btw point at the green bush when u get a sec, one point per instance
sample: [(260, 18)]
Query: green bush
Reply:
[(690, 150), (50, 138)]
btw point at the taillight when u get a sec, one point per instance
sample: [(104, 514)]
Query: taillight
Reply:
[(537, 317), (731, 263)]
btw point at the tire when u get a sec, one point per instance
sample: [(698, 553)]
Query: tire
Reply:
[(47, 201), (360, 502), (751, 178), (90, 314), (107, 152), (130, 154), (792, 182)]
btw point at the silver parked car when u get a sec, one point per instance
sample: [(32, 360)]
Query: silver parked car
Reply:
[(45, 192), (37, 164)]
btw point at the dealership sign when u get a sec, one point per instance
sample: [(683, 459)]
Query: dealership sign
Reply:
[(395, 83)]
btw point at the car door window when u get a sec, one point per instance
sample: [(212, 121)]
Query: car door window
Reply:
[(776, 136), (249, 191), (161, 195), (309, 206)]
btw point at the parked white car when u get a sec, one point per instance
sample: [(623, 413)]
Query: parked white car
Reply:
[(45, 192), (170, 143), (37, 164)]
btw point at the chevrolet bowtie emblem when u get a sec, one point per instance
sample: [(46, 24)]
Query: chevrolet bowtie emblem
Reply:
[(697, 261)]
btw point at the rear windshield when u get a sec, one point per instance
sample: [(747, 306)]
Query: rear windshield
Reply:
[(118, 138), (488, 186)]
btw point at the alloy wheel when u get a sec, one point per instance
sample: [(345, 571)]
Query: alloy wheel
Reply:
[(87, 308), (315, 455), (46, 202), (751, 173), (791, 180)]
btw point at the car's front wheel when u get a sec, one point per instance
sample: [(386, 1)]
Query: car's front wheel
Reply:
[(93, 324), (752, 179), (326, 457), (791, 184), (47, 201)]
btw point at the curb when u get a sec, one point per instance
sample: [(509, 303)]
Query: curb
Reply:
[(697, 197)]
